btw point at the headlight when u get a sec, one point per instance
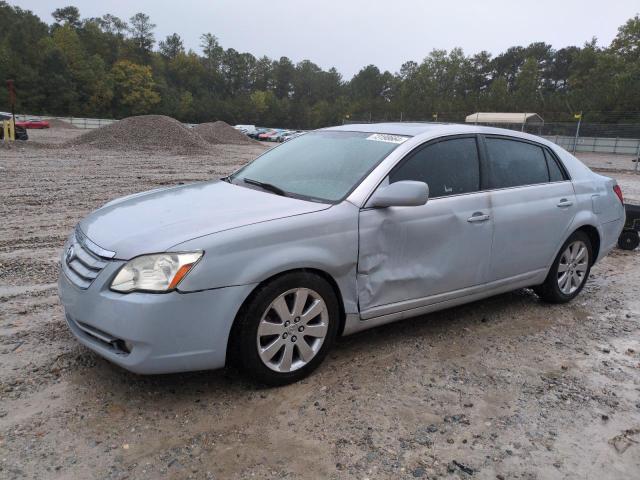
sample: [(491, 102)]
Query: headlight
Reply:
[(160, 272)]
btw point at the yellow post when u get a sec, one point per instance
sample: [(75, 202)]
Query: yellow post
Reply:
[(9, 130)]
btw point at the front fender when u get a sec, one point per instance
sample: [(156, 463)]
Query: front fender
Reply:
[(326, 240)]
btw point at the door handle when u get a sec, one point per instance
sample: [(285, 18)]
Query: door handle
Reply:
[(565, 203), (478, 217)]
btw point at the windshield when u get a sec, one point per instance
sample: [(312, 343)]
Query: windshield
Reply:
[(322, 165)]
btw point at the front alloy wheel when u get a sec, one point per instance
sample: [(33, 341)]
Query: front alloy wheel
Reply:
[(285, 329), (292, 330)]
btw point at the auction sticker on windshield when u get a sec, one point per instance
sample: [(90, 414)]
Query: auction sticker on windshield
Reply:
[(383, 137)]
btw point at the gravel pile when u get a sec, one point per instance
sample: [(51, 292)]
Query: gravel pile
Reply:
[(57, 123), (222, 133), (144, 133)]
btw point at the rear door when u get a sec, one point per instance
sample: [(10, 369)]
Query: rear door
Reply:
[(408, 255), (533, 204)]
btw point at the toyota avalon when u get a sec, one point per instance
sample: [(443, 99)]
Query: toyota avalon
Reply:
[(336, 231)]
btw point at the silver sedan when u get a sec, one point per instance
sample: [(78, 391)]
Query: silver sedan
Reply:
[(336, 231)]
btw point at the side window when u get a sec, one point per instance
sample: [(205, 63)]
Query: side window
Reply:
[(514, 163), (555, 174), (449, 167)]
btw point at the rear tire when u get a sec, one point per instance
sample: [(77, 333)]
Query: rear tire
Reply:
[(569, 271), (286, 328), (628, 240)]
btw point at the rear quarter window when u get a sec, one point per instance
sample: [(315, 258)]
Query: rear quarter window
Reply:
[(555, 172)]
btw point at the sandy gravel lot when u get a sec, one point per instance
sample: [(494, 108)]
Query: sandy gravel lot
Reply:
[(608, 161), (504, 388)]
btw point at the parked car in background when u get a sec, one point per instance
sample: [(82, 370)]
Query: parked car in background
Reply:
[(33, 124), (279, 137), (268, 135), (258, 132), (21, 132), (246, 129), (291, 135), (337, 231)]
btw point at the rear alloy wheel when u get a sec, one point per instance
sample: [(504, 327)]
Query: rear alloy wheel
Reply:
[(286, 328), (569, 271), (573, 267)]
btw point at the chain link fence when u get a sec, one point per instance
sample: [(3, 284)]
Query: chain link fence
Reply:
[(78, 122)]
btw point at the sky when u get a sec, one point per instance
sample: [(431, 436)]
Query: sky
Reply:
[(350, 34)]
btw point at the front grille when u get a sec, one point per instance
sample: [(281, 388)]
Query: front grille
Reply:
[(83, 260)]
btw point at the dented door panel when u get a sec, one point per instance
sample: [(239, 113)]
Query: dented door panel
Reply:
[(410, 253)]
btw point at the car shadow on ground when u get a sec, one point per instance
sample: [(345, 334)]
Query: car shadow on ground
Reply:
[(435, 330)]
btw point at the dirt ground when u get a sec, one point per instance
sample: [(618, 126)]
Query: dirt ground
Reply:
[(608, 161), (503, 388)]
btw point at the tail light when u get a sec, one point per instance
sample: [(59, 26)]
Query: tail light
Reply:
[(618, 192)]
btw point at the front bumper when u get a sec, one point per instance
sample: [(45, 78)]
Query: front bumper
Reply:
[(152, 333)]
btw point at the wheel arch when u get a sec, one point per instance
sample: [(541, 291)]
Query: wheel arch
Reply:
[(594, 238), (231, 346)]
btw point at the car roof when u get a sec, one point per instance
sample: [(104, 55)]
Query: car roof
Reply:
[(405, 128), (431, 128)]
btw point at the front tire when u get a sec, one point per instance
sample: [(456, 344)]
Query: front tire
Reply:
[(286, 328), (569, 271)]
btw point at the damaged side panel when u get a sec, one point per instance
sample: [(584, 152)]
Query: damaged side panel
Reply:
[(411, 253)]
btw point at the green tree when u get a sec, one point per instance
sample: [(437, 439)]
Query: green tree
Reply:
[(172, 46), (107, 67), (67, 16), (527, 86), (141, 30), (212, 51), (87, 73), (283, 72), (134, 89), (627, 42), (498, 96), (113, 25)]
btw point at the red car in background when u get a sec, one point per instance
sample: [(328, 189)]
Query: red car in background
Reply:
[(266, 136), (32, 123)]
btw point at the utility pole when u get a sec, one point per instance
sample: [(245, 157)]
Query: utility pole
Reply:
[(575, 140), (12, 99)]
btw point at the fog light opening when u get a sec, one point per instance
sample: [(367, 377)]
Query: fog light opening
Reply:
[(122, 346)]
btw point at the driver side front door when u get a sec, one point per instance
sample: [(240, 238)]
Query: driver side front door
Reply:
[(410, 257)]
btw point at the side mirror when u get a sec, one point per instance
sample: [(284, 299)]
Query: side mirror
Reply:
[(407, 193)]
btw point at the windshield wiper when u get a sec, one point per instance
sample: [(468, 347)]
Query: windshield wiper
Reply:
[(266, 186)]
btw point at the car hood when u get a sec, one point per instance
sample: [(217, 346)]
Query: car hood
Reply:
[(157, 220)]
